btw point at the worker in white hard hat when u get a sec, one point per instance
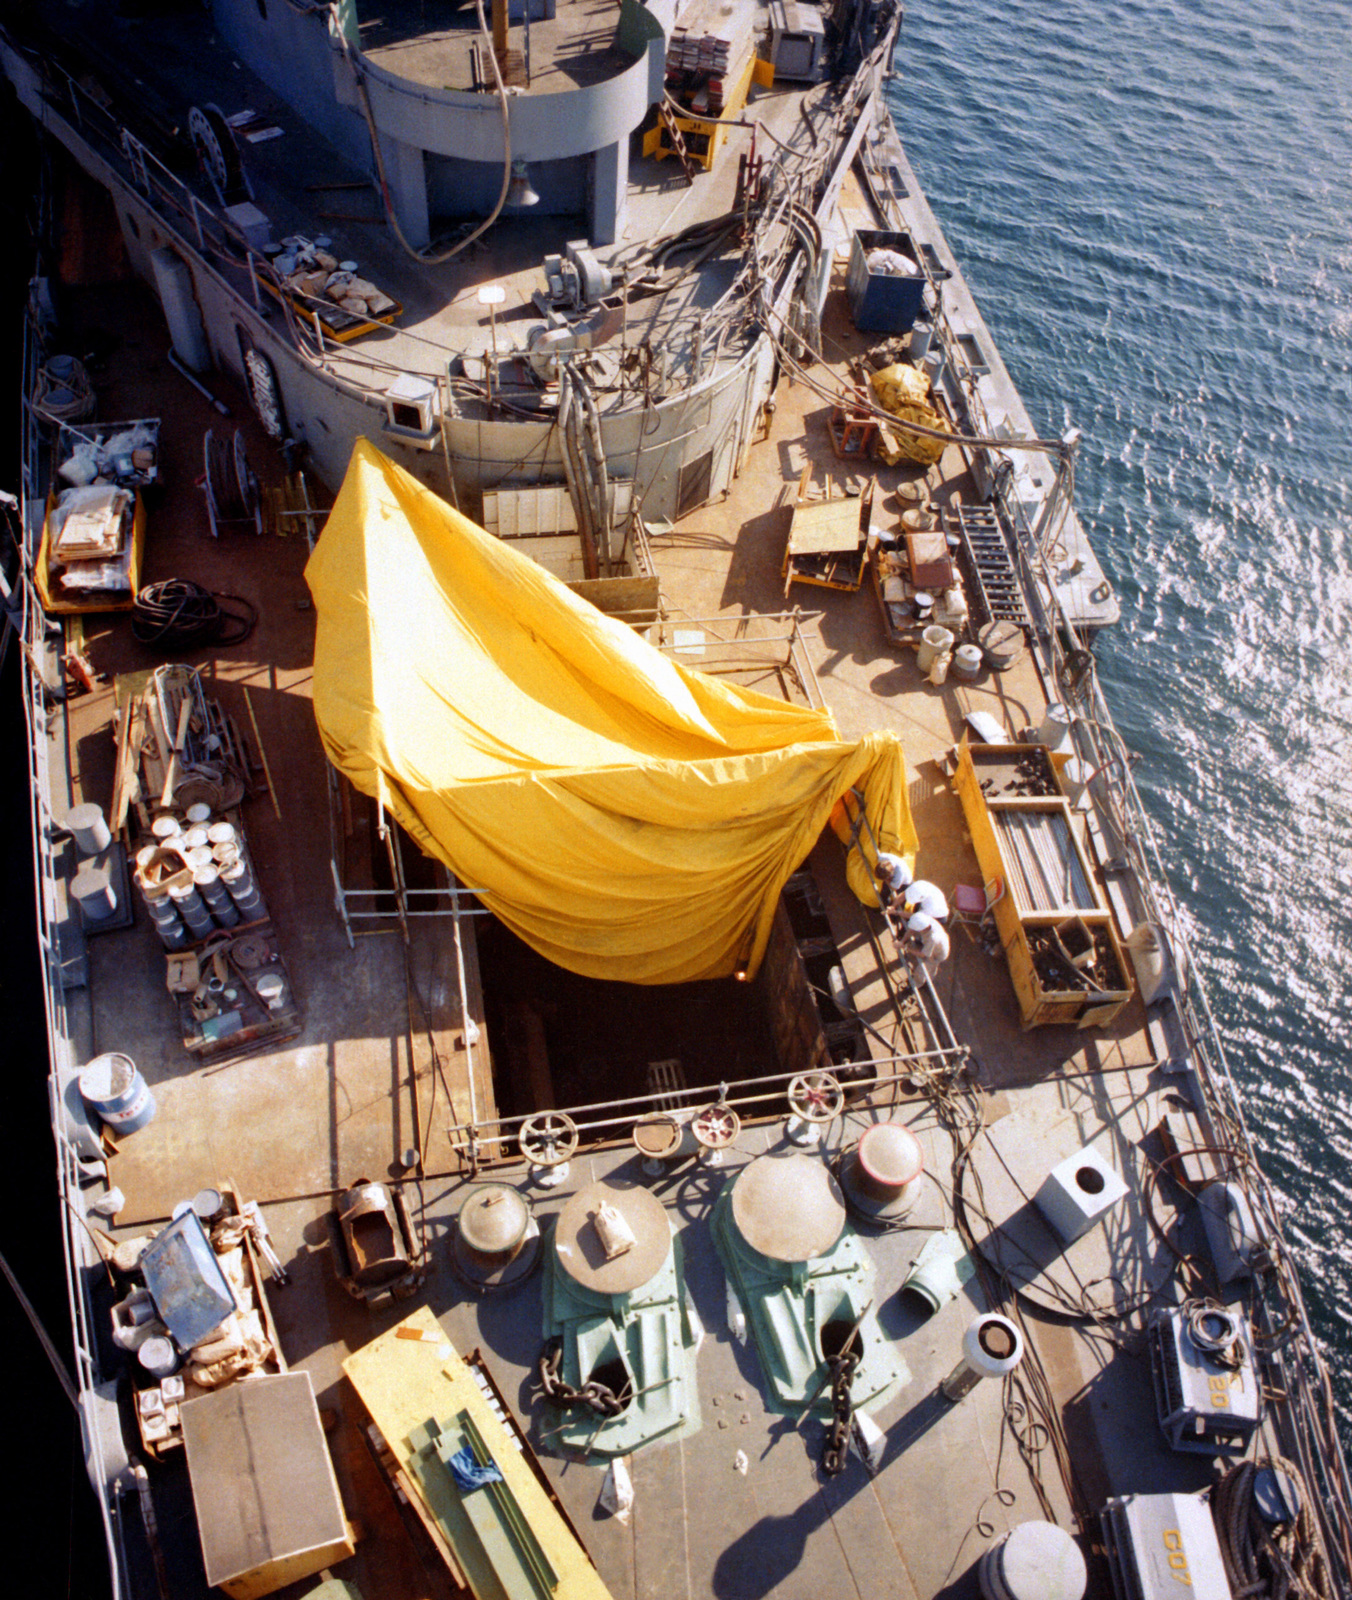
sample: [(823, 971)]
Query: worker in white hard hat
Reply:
[(892, 877), (926, 944), (922, 895)]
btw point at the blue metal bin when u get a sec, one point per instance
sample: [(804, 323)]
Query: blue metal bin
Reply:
[(881, 302)]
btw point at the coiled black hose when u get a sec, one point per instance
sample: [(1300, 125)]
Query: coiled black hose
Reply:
[(178, 614)]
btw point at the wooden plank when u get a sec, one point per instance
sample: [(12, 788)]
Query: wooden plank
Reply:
[(124, 767), (94, 600)]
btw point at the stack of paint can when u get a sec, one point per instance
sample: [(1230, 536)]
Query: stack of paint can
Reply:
[(156, 866), (197, 878), (238, 879)]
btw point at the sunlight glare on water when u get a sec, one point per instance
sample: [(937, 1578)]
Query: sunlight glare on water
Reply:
[(1152, 207)]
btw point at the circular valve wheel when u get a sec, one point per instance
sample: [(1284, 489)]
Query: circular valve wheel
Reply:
[(816, 1097), (715, 1127), (548, 1138)]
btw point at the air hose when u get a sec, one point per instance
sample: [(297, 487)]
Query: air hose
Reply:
[(178, 614)]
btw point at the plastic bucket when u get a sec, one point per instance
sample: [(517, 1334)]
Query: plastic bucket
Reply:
[(114, 1090), (933, 643)]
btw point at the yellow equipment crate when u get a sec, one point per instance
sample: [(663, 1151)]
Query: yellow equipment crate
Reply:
[(1055, 927), (704, 136)]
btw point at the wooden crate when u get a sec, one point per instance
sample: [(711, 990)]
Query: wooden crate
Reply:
[(58, 605), (1021, 914)]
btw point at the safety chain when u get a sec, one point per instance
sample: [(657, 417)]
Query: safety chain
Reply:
[(597, 1397), (843, 1368)]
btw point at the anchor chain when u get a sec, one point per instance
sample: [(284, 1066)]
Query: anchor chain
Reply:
[(596, 1397), (843, 1368)]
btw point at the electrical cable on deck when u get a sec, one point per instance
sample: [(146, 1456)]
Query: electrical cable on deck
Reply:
[(177, 614)]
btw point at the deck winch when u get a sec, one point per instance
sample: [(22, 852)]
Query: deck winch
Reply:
[(803, 1279), (620, 1334)]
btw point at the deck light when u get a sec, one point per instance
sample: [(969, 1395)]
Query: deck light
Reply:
[(520, 191)]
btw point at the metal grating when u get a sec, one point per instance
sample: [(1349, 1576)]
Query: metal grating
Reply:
[(666, 1084), (986, 559), (1043, 866)]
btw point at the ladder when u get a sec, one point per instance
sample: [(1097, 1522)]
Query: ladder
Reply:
[(986, 557), (677, 142)]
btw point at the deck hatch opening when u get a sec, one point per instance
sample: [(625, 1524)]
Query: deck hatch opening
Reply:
[(834, 1335), (614, 1375)]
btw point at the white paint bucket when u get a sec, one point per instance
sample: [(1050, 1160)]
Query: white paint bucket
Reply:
[(271, 989), (207, 881), (243, 890), (192, 908)]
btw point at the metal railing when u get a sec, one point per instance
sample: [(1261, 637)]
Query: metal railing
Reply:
[(1069, 675), (741, 636), (601, 1120), (79, 1260)]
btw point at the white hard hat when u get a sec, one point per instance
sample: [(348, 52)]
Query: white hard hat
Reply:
[(920, 922)]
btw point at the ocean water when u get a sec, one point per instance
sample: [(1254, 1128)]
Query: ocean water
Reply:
[(1151, 203)]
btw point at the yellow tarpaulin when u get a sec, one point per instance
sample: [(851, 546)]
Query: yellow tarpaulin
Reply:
[(626, 817)]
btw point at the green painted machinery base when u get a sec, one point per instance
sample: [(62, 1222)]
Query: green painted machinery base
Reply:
[(787, 1306), (654, 1333)]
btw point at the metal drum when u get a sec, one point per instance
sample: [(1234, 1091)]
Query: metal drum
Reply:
[(114, 1090)]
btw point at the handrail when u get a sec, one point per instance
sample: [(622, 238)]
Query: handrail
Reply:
[(75, 1242), (1070, 674), (601, 1115)]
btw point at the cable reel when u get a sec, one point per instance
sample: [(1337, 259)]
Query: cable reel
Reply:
[(213, 140)]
